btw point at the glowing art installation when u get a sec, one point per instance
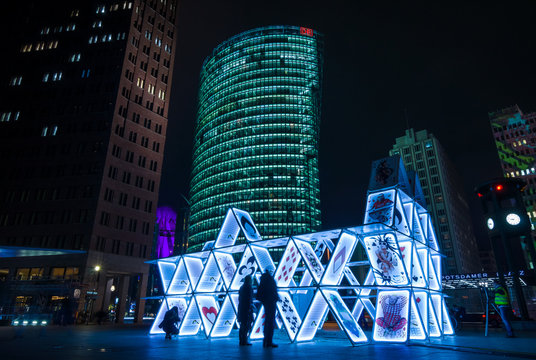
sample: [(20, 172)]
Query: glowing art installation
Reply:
[(401, 289)]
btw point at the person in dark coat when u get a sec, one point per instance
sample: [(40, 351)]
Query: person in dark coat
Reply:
[(268, 296), (245, 310), (169, 324)]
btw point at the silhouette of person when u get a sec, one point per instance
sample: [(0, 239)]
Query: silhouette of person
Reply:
[(169, 324), (267, 295), (245, 310)]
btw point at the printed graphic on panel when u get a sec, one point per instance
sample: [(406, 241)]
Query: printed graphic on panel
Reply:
[(385, 259), (392, 316), (400, 251)]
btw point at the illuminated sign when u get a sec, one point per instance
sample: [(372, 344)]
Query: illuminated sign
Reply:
[(513, 219), (306, 31)]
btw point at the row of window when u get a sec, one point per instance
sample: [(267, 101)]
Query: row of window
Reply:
[(80, 216), (38, 273), (9, 116), (57, 29), (101, 245), (120, 223), (114, 7), (41, 45), (126, 178), (109, 196), (95, 39)]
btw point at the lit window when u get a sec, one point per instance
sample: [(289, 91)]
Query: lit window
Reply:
[(524, 141), (54, 130), (45, 77), (44, 132), (17, 115), (522, 172)]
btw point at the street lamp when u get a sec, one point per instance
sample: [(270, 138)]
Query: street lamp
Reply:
[(97, 268)]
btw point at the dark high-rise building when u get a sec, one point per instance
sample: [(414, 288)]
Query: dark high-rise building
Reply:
[(83, 123), (257, 132), (442, 187)]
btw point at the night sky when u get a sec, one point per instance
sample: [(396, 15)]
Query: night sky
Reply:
[(447, 67)]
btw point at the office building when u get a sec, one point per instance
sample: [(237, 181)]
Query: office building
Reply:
[(83, 124), (442, 187), (257, 131)]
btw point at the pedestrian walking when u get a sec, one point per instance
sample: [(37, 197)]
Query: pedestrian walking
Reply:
[(503, 303), (268, 296), (169, 324), (245, 310)]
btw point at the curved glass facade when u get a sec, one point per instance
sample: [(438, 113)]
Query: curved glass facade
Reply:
[(257, 132)]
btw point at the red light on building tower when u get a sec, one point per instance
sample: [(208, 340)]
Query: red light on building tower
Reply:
[(498, 187)]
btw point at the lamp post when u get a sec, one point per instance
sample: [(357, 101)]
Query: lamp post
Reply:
[(94, 278)]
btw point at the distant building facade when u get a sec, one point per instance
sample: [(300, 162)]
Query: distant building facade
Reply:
[(82, 125), (515, 138), (257, 133), (421, 152)]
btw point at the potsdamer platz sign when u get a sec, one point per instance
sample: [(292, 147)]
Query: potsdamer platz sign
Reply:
[(396, 250)]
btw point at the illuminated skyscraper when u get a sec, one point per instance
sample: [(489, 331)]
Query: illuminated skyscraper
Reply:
[(257, 132)]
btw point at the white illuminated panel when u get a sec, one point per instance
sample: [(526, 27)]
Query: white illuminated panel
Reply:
[(437, 302), (247, 225), (289, 314), (158, 319), (447, 325), (343, 251), (380, 207), (385, 259), (312, 262), (180, 282), (208, 311), (392, 310), (416, 327), (400, 219), (433, 323), (424, 218), (433, 280), (263, 257), (247, 266), (307, 278), (344, 317), (228, 232), (436, 260), (194, 267), (209, 277), (413, 266), (315, 314), (192, 322), (225, 320), (287, 265), (227, 266), (257, 331), (418, 232), (167, 269), (432, 241), (421, 300)]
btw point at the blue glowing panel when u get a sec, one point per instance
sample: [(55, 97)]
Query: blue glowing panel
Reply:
[(400, 220), (413, 266), (289, 314), (385, 259), (287, 265), (247, 225), (166, 269), (344, 317), (343, 252), (210, 276), (192, 321), (194, 267), (349, 275), (433, 323), (208, 311), (416, 327), (263, 257), (226, 319), (179, 283), (409, 210), (436, 261), (424, 262), (438, 309), (247, 266), (158, 319), (380, 208), (418, 232), (228, 232), (257, 331), (447, 325), (423, 222), (421, 301), (313, 318), (392, 313), (227, 266), (312, 262), (433, 280), (432, 241)]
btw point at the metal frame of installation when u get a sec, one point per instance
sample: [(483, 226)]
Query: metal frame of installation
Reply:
[(402, 267)]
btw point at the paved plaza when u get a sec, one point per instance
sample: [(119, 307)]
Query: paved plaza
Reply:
[(120, 342)]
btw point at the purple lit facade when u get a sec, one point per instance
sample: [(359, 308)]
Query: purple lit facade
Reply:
[(167, 221)]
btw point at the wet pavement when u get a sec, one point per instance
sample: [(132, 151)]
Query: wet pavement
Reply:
[(130, 342)]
